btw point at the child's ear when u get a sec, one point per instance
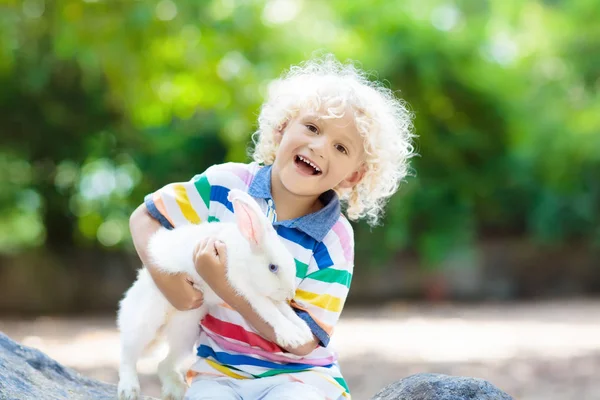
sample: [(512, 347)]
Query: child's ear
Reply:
[(354, 178), (278, 132)]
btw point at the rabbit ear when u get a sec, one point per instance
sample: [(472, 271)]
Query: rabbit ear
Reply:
[(248, 217)]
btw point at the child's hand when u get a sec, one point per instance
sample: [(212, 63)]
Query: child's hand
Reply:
[(177, 289), (183, 293), (210, 259)]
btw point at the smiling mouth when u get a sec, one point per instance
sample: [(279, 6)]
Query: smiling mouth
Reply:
[(307, 166)]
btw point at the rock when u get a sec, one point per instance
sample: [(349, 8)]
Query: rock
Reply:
[(441, 387), (27, 373)]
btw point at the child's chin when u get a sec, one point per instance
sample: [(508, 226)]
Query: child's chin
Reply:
[(300, 188)]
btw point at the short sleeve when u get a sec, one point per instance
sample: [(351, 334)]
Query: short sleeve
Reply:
[(181, 203), (321, 295)]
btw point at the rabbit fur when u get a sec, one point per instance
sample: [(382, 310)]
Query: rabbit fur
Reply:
[(259, 268)]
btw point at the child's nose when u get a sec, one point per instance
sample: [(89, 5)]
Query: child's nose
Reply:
[(317, 146)]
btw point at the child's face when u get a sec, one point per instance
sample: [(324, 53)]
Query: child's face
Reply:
[(333, 146)]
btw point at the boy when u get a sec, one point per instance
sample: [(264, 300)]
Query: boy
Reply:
[(327, 136)]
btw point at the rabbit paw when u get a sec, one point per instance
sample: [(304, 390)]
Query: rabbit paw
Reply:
[(290, 335), (173, 389), (300, 324), (304, 330), (129, 392), (173, 384)]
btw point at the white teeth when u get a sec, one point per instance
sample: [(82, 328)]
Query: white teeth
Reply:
[(309, 163)]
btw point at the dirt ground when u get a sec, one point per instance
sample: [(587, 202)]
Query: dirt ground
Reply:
[(533, 351)]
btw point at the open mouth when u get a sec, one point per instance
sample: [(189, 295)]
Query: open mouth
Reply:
[(307, 166)]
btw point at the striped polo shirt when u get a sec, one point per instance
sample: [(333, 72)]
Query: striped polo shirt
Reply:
[(322, 244)]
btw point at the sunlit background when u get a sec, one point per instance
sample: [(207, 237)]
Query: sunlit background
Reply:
[(488, 259)]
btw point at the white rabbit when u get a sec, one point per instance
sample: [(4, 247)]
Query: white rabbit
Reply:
[(259, 268)]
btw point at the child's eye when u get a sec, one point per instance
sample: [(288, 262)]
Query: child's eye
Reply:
[(341, 149), (312, 128)]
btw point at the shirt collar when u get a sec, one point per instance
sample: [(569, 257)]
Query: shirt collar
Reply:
[(316, 224)]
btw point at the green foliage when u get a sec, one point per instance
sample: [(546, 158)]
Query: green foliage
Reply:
[(103, 102)]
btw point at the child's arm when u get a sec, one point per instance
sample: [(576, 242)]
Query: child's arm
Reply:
[(210, 260), (177, 290), (241, 305)]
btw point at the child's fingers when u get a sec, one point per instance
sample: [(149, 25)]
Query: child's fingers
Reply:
[(221, 250), (201, 247), (195, 297), (197, 251), (206, 248), (210, 247), (203, 244), (196, 303), (188, 280)]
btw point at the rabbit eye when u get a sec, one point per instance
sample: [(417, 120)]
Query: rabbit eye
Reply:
[(273, 268)]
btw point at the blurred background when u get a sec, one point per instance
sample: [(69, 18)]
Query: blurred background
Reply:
[(488, 260)]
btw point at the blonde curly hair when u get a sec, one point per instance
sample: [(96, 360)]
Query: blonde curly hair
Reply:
[(384, 122)]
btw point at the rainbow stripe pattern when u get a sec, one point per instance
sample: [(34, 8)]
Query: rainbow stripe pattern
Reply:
[(322, 244)]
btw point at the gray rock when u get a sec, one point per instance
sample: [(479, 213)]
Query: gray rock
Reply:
[(27, 373), (441, 387)]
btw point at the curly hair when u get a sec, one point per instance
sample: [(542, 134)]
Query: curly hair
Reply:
[(384, 122)]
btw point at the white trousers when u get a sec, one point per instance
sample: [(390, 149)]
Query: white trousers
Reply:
[(269, 388)]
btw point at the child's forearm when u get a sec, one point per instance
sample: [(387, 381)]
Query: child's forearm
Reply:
[(241, 305), (173, 286)]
